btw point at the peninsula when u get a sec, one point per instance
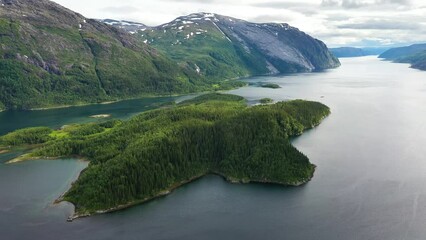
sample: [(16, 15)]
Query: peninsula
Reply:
[(157, 151)]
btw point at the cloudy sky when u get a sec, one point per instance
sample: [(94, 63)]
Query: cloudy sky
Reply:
[(336, 22)]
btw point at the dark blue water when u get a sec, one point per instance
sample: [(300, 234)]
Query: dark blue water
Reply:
[(12, 120), (369, 183)]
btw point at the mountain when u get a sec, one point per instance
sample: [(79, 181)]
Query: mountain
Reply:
[(52, 56), (414, 54), (223, 47), (400, 52), (157, 151), (344, 52)]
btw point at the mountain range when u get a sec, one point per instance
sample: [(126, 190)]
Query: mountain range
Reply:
[(221, 47), (52, 56)]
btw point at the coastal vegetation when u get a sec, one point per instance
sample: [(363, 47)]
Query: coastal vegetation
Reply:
[(270, 85), (266, 100), (156, 151)]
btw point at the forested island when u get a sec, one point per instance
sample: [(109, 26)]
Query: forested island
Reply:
[(157, 151)]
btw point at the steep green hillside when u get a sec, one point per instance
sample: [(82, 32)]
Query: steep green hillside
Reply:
[(149, 155), (205, 49), (52, 56), (223, 47)]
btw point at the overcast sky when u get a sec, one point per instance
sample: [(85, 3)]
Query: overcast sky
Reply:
[(336, 22)]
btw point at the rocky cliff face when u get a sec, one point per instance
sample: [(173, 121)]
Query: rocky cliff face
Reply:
[(220, 46), (280, 44), (50, 56)]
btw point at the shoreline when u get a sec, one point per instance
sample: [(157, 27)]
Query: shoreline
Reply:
[(133, 98), (26, 157), (72, 105), (168, 191), (107, 102), (162, 193), (249, 181), (241, 79), (4, 151), (141, 97), (101, 116)]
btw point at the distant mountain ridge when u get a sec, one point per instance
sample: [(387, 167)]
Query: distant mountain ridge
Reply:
[(224, 47), (345, 52), (413, 54), (395, 53)]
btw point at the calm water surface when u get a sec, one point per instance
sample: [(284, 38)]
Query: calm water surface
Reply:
[(55, 118), (369, 184)]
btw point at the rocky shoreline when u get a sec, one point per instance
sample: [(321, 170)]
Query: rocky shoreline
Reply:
[(4, 151), (264, 181)]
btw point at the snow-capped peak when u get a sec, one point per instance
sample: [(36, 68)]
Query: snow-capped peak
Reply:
[(126, 25)]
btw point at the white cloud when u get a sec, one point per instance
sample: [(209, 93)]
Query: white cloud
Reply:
[(336, 22)]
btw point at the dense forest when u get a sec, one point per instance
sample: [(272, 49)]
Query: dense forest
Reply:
[(138, 159)]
